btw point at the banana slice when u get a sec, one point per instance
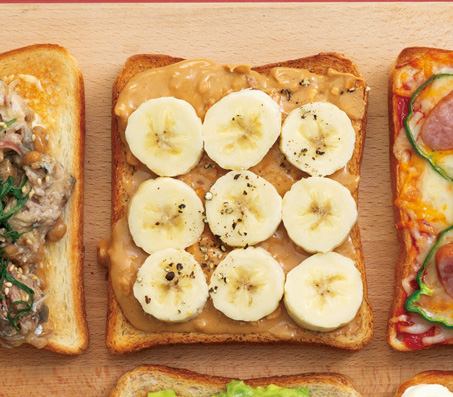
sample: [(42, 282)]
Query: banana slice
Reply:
[(318, 213), (165, 135), (318, 138), (243, 208), (165, 213), (171, 286), (324, 292), (240, 129), (247, 285)]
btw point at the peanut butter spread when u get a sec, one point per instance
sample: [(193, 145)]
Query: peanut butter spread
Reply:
[(202, 83)]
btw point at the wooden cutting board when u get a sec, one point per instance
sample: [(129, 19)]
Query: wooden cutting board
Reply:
[(101, 37)]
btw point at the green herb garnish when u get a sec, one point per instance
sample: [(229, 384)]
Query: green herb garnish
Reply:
[(16, 191), (8, 124), (23, 308)]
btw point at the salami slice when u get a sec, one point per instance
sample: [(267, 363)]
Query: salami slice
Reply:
[(437, 131), (444, 263)]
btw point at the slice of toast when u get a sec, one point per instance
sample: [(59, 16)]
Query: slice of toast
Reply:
[(121, 336), (444, 378), (59, 101), (151, 378), (406, 242)]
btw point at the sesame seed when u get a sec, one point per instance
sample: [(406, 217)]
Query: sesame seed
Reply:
[(29, 242), (6, 291), (24, 189), (8, 284), (39, 181), (33, 137), (47, 179), (208, 196), (203, 249)]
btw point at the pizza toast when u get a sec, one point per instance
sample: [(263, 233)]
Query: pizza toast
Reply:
[(421, 189)]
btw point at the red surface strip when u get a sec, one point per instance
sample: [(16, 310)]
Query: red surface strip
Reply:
[(195, 1)]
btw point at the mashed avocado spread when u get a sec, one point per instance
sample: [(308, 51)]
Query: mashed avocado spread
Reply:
[(240, 389)]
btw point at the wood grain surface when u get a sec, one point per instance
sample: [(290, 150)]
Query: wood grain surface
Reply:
[(101, 37)]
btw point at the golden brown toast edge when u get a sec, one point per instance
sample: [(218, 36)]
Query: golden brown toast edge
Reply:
[(121, 337), (142, 380), (444, 378), (55, 64), (403, 234)]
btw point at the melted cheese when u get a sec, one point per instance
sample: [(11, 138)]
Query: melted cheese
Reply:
[(436, 196)]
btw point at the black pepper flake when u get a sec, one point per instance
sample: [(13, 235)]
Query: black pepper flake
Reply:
[(147, 299), (204, 265), (315, 117), (179, 266), (282, 165), (217, 235), (341, 92), (351, 89), (234, 225), (157, 223), (181, 206), (170, 276), (287, 93), (320, 152), (211, 290), (236, 177), (244, 193), (246, 246), (192, 275)]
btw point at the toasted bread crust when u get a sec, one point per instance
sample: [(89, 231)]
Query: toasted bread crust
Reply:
[(402, 270), (121, 336), (444, 378), (55, 67), (150, 378)]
